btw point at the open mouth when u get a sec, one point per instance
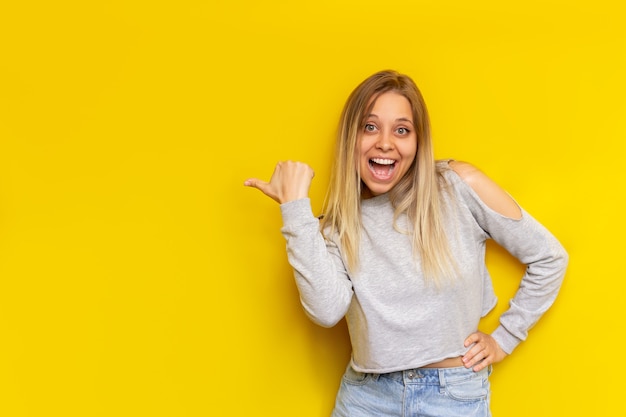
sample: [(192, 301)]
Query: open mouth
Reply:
[(382, 168)]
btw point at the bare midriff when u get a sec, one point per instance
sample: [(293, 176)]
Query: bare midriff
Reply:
[(446, 363)]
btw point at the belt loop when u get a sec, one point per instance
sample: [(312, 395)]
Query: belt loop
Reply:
[(442, 378)]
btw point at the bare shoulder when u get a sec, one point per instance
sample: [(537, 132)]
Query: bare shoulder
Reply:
[(465, 170), (488, 190)]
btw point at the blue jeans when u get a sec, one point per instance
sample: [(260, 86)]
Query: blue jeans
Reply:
[(423, 392)]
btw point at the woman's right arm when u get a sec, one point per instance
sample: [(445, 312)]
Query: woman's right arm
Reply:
[(325, 290), (324, 286)]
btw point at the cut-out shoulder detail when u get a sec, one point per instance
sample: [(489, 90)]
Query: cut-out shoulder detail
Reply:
[(489, 192)]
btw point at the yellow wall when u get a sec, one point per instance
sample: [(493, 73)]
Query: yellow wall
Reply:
[(138, 277)]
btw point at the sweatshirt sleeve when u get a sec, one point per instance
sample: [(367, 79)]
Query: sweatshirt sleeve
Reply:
[(324, 286), (545, 259)]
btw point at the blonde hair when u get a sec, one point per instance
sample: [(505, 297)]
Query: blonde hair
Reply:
[(418, 194)]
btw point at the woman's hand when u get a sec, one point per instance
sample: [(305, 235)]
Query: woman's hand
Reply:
[(290, 181), (485, 351)]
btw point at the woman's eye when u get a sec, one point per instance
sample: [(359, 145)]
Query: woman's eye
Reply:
[(403, 130), (370, 127)]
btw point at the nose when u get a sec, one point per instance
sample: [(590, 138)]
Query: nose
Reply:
[(385, 142)]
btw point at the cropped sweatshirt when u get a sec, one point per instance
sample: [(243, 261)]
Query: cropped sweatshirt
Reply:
[(396, 318)]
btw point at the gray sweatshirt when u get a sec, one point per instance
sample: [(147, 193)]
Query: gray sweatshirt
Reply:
[(398, 320)]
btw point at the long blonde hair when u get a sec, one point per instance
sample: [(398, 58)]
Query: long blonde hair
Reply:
[(418, 194)]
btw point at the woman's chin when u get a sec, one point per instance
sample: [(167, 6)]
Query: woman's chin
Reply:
[(373, 190)]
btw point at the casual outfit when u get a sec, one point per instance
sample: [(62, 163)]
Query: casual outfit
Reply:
[(400, 322)]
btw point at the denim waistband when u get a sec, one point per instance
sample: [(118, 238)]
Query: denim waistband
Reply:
[(431, 376)]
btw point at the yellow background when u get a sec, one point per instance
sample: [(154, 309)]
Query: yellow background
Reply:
[(138, 277)]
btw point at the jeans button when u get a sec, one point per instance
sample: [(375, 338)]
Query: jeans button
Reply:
[(411, 375)]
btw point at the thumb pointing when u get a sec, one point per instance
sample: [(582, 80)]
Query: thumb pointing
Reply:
[(254, 182), (263, 186)]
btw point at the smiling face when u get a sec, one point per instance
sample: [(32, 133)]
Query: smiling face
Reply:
[(387, 144)]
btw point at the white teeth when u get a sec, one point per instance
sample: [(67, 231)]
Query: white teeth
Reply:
[(381, 161)]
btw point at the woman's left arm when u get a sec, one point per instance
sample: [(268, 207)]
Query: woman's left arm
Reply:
[(526, 239)]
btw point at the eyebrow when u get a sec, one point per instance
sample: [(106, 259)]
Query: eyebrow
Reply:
[(400, 119)]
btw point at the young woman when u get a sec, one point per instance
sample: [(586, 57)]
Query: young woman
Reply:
[(400, 252)]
